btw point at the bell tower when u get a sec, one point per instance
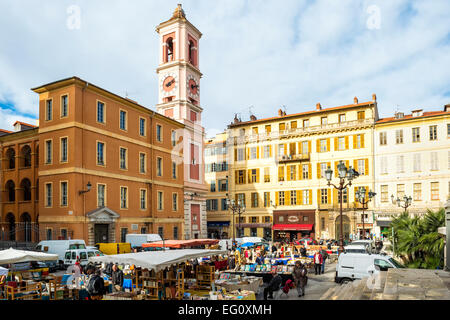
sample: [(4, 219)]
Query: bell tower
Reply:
[(179, 98)]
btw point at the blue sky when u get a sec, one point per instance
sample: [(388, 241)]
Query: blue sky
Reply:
[(259, 53)]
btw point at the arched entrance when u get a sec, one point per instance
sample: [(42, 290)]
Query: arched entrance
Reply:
[(25, 185), (25, 220), (10, 189), (11, 227), (25, 154), (345, 227)]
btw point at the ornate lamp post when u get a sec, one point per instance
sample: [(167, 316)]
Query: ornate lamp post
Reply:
[(238, 207), (360, 196), (407, 201), (343, 174)]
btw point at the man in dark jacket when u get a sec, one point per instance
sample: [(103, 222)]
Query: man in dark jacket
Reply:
[(96, 286), (324, 254), (273, 285), (117, 278), (299, 275)]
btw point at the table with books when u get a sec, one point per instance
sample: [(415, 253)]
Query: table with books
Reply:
[(232, 282)]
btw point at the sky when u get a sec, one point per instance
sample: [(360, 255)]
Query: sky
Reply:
[(256, 56)]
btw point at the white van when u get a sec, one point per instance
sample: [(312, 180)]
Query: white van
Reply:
[(369, 243), (60, 247), (356, 248), (353, 266), (71, 256), (136, 240)]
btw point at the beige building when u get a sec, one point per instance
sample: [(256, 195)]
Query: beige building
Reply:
[(412, 158)]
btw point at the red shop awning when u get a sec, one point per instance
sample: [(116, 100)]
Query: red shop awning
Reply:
[(296, 227)]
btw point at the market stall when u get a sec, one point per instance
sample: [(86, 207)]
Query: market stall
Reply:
[(181, 244)]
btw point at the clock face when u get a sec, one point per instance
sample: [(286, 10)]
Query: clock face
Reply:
[(168, 84), (193, 87)]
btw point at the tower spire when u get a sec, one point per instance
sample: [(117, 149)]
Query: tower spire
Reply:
[(179, 12)]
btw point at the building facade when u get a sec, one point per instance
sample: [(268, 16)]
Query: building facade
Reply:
[(179, 98), (412, 157)]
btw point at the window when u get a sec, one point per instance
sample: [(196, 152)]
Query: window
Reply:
[(175, 202), (323, 196), (281, 150), (241, 198), (174, 170), (49, 234), (266, 199), (358, 143), (159, 133), (63, 193), (175, 233), (267, 174), (281, 173), (341, 143), (305, 218), (213, 186), (281, 198), (100, 112), (323, 145), (282, 127), (448, 130), (345, 196), (63, 149), (292, 173), (193, 116), (48, 153), (253, 153), (160, 200), (266, 152), (324, 121), (293, 198), (305, 123), (161, 232), (123, 120), (322, 223), (383, 138), (417, 162), (417, 192), (142, 127), (143, 198), (435, 191), (223, 185), (305, 196), (362, 167), (254, 176), (49, 110), (123, 158), (268, 128), (255, 200), (123, 234), (101, 196), (399, 136), (224, 205), (342, 118), (305, 171), (159, 167), (383, 165), (255, 130), (400, 191), (64, 234), (434, 161), (416, 134), (384, 193), (48, 195), (123, 197), (240, 154), (293, 124), (64, 106), (174, 138), (361, 115), (142, 162), (100, 153), (400, 164), (433, 133), (241, 176), (305, 147), (323, 167)]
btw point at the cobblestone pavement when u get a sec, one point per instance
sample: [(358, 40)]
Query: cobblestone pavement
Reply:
[(316, 287)]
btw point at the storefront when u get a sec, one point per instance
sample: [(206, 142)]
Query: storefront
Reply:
[(368, 227), (218, 229), (291, 225)]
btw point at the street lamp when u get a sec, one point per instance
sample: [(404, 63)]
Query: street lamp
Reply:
[(343, 173), (407, 201), (238, 207), (88, 186), (360, 196)]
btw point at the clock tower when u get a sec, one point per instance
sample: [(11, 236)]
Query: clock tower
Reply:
[(179, 98)]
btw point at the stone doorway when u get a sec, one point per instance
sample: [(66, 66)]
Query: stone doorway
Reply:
[(101, 233)]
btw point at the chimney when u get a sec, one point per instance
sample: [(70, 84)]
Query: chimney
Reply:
[(447, 108), (355, 100), (374, 97), (318, 107), (280, 113), (417, 113), (253, 118), (399, 115)]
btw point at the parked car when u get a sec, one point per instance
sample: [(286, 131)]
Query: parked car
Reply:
[(369, 243), (353, 266), (59, 247)]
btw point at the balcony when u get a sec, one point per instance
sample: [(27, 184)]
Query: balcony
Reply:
[(294, 158)]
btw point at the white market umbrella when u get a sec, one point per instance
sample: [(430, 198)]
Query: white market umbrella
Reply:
[(3, 271), (15, 256)]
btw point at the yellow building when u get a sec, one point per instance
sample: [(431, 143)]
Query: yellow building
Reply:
[(277, 169)]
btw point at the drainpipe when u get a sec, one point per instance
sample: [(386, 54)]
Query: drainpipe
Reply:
[(82, 165)]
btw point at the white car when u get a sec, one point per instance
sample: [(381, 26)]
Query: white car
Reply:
[(83, 255), (353, 266), (368, 243)]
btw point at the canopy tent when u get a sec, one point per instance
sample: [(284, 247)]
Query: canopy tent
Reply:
[(180, 244), (157, 260), (248, 244), (15, 256), (3, 271)]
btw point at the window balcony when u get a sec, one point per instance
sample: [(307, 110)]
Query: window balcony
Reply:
[(294, 158)]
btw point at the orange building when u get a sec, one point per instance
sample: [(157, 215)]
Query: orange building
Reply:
[(103, 165)]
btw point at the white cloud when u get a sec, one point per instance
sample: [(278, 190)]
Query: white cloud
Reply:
[(253, 53)]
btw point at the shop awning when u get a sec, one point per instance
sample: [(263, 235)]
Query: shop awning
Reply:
[(218, 223), (383, 223), (294, 227)]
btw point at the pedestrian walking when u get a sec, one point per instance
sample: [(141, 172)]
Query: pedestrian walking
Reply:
[(318, 259), (299, 276), (96, 286), (324, 254)]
